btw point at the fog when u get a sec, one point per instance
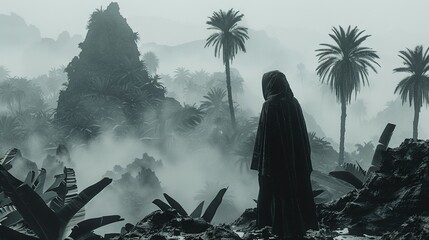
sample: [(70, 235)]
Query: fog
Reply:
[(298, 27), (37, 37)]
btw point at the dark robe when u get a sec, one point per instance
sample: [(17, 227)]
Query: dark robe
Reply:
[(282, 157)]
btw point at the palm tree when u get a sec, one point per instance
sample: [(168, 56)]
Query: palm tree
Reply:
[(201, 76), (345, 67), (214, 104), (10, 132), (11, 95), (365, 151), (151, 61), (415, 87), (228, 40), (181, 76)]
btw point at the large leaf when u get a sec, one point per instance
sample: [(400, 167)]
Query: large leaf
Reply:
[(69, 210), (89, 225), (39, 217), (11, 219), (347, 177), (162, 205), (6, 210), (72, 192), (39, 183), (174, 204), (8, 158), (10, 234), (21, 227), (30, 178), (317, 192), (214, 205), (198, 211), (58, 179)]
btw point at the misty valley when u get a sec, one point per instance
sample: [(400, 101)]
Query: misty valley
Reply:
[(109, 136)]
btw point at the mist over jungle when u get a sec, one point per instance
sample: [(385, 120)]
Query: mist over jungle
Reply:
[(133, 92)]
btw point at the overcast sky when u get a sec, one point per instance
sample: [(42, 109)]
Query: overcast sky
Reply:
[(377, 16), (299, 25)]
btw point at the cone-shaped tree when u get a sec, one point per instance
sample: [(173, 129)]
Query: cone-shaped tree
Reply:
[(345, 67), (228, 39), (108, 84), (415, 87)]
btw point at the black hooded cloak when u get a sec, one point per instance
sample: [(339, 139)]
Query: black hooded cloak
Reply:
[(282, 157)]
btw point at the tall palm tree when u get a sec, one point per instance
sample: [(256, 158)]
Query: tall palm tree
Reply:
[(345, 67), (228, 39), (415, 87)]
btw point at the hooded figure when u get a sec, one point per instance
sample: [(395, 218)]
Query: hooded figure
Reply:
[(282, 157)]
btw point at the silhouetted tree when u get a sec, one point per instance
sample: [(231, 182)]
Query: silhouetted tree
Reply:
[(301, 71), (10, 95), (107, 80), (214, 104), (51, 84), (360, 109), (345, 67), (228, 39), (365, 151), (201, 76), (10, 132), (181, 76), (151, 62), (415, 87), (217, 80)]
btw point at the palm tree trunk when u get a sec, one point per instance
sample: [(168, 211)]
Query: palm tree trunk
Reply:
[(342, 130), (416, 120), (228, 87)]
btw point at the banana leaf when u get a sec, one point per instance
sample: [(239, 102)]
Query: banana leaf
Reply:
[(162, 205), (174, 204), (198, 211), (8, 158), (39, 183), (85, 227), (30, 178), (58, 180), (214, 205), (66, 213), (347, 177), (6, 210), (39, 217), (10, 234), (11, 219)]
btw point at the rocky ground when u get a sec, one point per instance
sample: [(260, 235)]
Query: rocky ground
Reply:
[(394, 200), (392, 204)]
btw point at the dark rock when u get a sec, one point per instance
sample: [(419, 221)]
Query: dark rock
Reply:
[(414, 228), (169, 224), (247, 221), (390, 197)]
